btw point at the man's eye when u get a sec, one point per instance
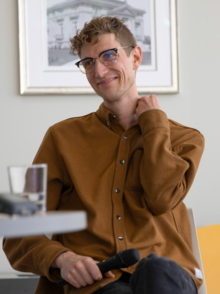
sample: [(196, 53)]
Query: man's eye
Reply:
[(109, 55), (87, 62)]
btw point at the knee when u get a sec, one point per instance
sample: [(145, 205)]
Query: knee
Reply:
[(155, 273), (155, 266)]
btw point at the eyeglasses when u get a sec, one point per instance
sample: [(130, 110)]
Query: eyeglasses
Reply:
[(107, 57)]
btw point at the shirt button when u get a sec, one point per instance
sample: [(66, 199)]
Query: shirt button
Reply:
[(117, 190), (122, 161), (120, 238), (118, 217), (126, 137), (114, 117)]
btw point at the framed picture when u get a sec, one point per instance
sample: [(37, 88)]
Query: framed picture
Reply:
[(46, 27)]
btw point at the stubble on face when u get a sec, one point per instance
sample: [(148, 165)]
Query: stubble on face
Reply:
[(112, 83)]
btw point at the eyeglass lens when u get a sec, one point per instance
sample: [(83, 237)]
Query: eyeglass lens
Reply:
[(107, 58)]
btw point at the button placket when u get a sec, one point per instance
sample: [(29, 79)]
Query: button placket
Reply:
[(117, 195)]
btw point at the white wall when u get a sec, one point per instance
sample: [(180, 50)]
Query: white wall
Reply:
[(25, 119)]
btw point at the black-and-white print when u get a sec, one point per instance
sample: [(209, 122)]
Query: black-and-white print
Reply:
[(65, 17)]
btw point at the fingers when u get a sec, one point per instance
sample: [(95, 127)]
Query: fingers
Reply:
[(151, 100), (79, 277), (109, 275), (75, 280), (82, 272), (152, 96), (78, 270), (92, 268), (147, 103)]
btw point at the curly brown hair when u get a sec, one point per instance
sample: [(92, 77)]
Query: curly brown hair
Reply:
[(102, 25)]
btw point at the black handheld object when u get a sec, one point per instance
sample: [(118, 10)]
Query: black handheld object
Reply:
[(14, 204), (123, 259)]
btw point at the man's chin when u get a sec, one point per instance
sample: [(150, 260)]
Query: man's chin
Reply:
[(105, 94), (109, 94)]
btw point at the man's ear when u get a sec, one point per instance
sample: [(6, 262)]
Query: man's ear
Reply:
[(137, 57)]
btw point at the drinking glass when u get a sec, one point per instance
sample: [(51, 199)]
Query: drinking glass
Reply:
[(30, 181)]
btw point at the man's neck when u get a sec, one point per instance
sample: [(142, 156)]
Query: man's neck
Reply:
[(125, 111)]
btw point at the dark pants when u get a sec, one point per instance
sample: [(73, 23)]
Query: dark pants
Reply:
[(153, 275)]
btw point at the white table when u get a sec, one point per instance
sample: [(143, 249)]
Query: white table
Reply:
[(44, 223)]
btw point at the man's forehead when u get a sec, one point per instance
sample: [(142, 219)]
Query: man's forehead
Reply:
[(94, 48)]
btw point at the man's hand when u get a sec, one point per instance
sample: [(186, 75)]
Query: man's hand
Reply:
[(147, 103), (78, 270)]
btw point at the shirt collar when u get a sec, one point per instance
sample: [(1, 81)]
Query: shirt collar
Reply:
[(112, 122), (104, 114)]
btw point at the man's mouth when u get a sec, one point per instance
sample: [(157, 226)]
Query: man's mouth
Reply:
[(106, 82)]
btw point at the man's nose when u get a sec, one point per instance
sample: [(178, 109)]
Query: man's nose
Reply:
[(100, 69)]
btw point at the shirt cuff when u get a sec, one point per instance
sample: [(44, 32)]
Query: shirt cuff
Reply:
[(47, 256), (152, 119)]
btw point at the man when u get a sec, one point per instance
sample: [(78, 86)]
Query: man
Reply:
[(129, 168)]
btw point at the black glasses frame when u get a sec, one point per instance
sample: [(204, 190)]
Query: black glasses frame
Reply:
[(93, 59)]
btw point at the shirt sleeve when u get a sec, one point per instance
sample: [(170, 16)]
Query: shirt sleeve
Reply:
[(168, 165), (35, 254)]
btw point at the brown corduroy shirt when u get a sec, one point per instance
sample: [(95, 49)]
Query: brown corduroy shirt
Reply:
[(131, 184)]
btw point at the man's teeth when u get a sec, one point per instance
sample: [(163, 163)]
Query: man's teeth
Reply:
[(107, 81)]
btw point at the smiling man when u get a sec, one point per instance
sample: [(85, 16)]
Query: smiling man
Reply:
[(129, 167)]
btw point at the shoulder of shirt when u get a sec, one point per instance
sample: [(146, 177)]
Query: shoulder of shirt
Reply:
[(179, 127), (180, 134), (70, 122)]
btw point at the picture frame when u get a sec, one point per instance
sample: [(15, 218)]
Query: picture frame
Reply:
[(45, 27)]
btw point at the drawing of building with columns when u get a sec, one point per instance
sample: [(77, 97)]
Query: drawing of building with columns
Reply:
[(64, 18)]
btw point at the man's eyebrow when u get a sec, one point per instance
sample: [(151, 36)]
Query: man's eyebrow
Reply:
[(107, 50), (99, 54), (86, 58)]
